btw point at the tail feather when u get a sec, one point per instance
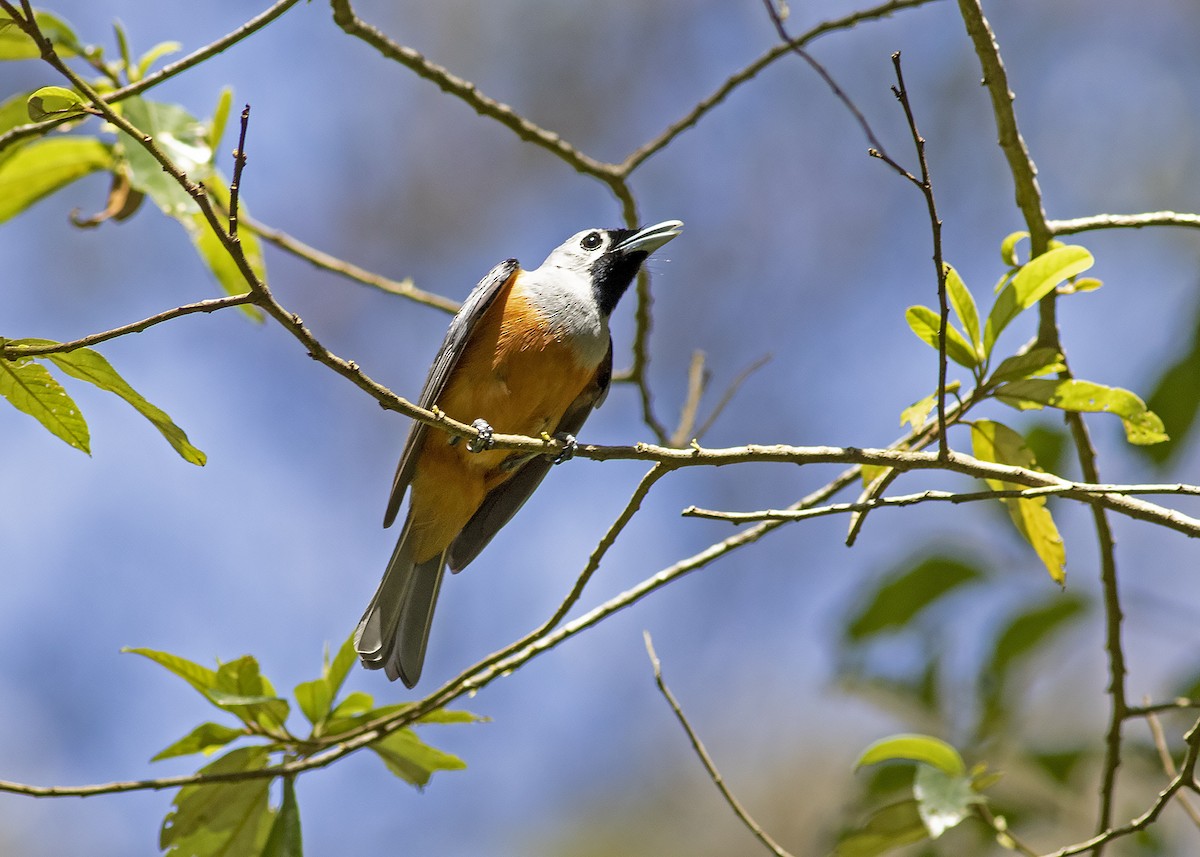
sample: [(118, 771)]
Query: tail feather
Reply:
[(394, 630)]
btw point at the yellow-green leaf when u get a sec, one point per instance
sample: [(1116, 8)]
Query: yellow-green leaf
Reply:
[(32, 390), (926, 323), (88, 365), (918, 412), (911, 747), (1142, 426), (998, 443), (964, 305), (39, 169), (886, 829), (1036, 361), (1008, 247), (15, 45), (227, 819), (50, 102), (1040, 276), (214, 254)]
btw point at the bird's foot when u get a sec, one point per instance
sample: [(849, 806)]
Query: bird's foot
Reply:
[(485, 439), (569, 446)]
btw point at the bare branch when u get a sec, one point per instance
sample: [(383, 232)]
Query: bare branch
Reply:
[(1123, 221), (702, 754)]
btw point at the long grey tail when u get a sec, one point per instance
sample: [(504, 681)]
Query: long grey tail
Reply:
[(394, 631)]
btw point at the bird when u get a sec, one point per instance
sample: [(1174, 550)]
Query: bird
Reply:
[(528, 353)]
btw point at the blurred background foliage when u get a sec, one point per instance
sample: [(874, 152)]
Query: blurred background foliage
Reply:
[(789, 656)]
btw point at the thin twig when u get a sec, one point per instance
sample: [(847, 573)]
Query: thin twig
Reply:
[(696, 384), (168, 71), (12, 352), (1123, 221), (706, 760), (239, 163), (730, 392), (1164, 756)]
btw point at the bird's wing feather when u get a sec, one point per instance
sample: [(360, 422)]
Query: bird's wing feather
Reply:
[(464, 322), (506, 499)]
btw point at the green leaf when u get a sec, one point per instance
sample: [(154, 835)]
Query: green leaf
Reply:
[(285, 839), (964, 305), (151, 56), (1008, 248), (1176, 398), (314, 699), (443, 715), (914, 748), (15, 45), (201, 678), (221, 819), (32, 390), (88, 365), (870, 472), (244, 691), (181, 137), (50, 102), (905, 592), (206, 738), (1142, 426), (998, 443), (123, 46), (926, 323), (40, 168), (411, 759), (1032, 282), (1040, 276), (1036, 361), (918, 412), (214, 254), (1080, 284), (216, 128), (886, 829), (943, 800), (1020, 639)]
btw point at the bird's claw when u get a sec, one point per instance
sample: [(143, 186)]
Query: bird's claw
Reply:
[(485, 439), (569, 446)]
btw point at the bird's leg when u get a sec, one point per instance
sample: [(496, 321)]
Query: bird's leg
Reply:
[(484, 441), (569, 446)]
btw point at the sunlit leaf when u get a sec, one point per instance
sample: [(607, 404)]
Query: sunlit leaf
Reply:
[(15, 45), (964, 305), (1080, 284), (944, 800), (886, 829), (181, 137), (31, 389), (1008, 248), (918, 412), (905, 592), (38, 169), (201, 678), (1142, 426), (221, 819), (206, 738), (88, 365), (926, 323), (216, 128), (998, 443), (51, 102), (244, 691), (914, 748), (1036, 361), (1040, 276), (152, 56)]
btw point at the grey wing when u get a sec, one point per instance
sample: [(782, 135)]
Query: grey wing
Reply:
[(468, 315), (502, 503)]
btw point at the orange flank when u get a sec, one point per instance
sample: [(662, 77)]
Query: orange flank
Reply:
[(520, 378)]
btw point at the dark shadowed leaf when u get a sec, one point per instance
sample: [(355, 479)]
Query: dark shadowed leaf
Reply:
[(886, 829), (285, 839), (411, 759), (905, 592), (221, 819)]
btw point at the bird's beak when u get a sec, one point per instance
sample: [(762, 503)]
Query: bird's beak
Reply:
[(650, 238)]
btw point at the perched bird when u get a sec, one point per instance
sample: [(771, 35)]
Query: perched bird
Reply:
[(529, 353)]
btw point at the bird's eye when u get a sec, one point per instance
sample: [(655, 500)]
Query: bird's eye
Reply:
[(591, 241)]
